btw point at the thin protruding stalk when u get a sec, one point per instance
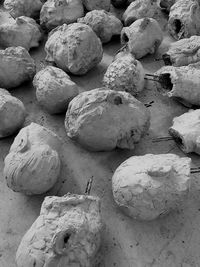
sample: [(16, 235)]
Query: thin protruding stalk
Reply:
[(89, 186), (161, 139), (197, 170), (147, 105), (152, 77)]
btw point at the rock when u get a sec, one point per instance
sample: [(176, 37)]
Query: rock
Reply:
[(12, 114), (19, 8), (142, 37), (186, 131), (125, 73), (103, 23), (16, 67), (33, 164), (138, 10), (54, 89), (74, 48), (183, 52), (22, 31), (184, 19), (96, 4), (66, 233), (55, 13), (149, 186), (103, 119)]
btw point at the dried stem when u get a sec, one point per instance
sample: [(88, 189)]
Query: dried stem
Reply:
[(89, 186)]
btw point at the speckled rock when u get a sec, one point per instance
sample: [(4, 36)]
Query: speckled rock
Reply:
[(54, 89), (12, 114), (103, 119), (23, 31), (33, 164), (16, 67), (55, 13), (75, 48), (186, 131), (181, 83), (149, 186), (183, 52), (166, 4), (103, 23), (125, 73), (184, 19), (138, 10), (66, 233), (142, 37), (19, 8), (97, 4)]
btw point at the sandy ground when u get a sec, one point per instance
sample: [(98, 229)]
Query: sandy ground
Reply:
[(173, 241)]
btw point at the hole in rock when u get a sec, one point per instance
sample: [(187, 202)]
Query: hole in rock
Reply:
[(118, 100), (66, 238), (177, 25), (167, 59), (165, 81), (125, 38)]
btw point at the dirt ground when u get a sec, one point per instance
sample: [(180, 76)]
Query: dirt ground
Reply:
[(173, 241)]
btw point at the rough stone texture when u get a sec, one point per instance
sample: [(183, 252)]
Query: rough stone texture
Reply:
[(74, 48), (12, 114), (5, 17), (54, 89), (125, 73), (22, 31), (184, 19), (103, 23), (138, 10), (103, 119), (149, 186), (142, 37), (181, 83), (33, 164), (186, 131), (183, 52), (16, 67), (55, 13), (96, 4), (66, 233), (167, 4), (19, 8)]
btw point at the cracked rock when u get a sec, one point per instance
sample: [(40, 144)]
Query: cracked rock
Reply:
[(125, 73), (149, 186), (103, 119), (186, 131), (66, 233), (184, 19), (22, 31), (183, 52), (19, 8), (55, 13), (54, 89), (142, 37), (138, 10), (103, 23), (33, 164), (75, 48), (16, 67), (12, 114)]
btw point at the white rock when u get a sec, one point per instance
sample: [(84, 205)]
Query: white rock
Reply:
[(142, 37), (183, 52), (138, 10), (186, 131), (103, 119), (184, 19), (149, 186), (12, 114), (54, 89), (125, 73), (96, 4), (23, 31), (33, 164), (75, 48), (16, 67), (67, 233), (55, 13), (17, 8), (181, 83)]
